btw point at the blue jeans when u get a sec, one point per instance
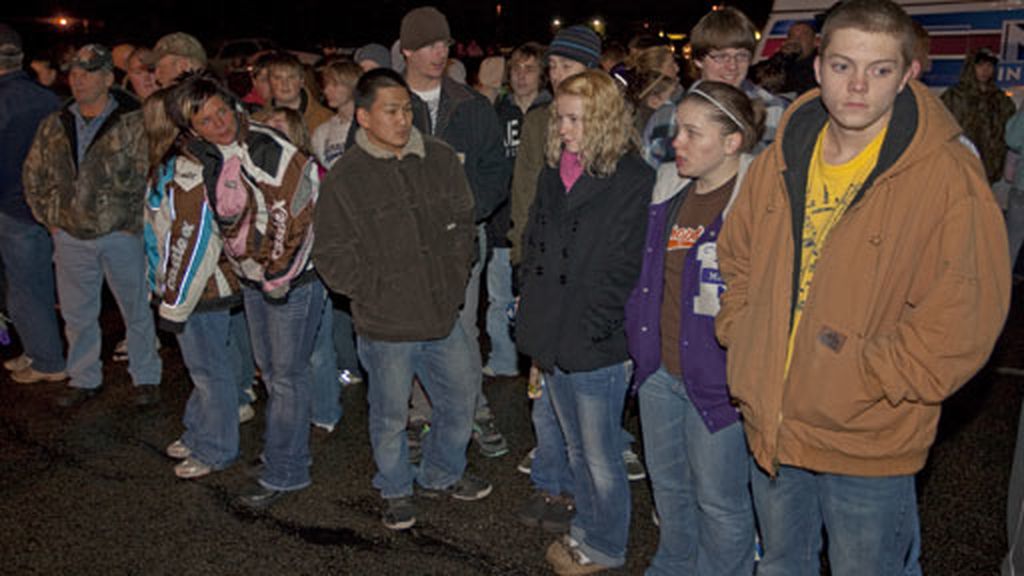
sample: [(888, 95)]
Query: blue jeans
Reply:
[(701, 485), (589, 409), (241, 354), (27, 253), (282, 341), (502, 359), (453, 383), (422, 405), (549, 471), (211, 414), (326, 410), (871, 522), (1013, 563), (82, 266)]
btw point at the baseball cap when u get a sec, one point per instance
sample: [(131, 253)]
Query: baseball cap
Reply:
[(93, 57), (177, 44), (10, 40)]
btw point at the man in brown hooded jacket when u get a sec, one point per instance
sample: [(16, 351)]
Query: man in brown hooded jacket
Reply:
[(867, 280)]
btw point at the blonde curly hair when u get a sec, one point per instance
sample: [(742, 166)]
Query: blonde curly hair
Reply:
[(608, 131)]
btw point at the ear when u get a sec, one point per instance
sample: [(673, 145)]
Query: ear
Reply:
[(362, 117), (817, 69), (733, 142), (913, 71)]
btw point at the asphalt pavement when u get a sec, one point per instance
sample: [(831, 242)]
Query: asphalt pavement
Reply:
[(90, 491)]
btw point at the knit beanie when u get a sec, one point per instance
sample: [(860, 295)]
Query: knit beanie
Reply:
[(423, 26), (375, 53), (577, 43)]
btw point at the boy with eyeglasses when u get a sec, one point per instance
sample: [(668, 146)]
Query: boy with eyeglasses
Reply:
[(723, 44)]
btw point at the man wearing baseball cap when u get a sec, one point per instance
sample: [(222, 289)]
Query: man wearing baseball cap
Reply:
[(25, 246), (175, 54), (85, 177), (467, 122)]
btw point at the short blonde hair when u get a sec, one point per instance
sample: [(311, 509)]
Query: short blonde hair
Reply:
[(608, 132)]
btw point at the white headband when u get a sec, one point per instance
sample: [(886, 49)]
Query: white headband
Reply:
[(718, 105)]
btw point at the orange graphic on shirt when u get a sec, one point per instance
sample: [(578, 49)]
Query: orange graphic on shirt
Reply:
[(684, 238)]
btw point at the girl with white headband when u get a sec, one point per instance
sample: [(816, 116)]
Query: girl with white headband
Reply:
[(696, 452)]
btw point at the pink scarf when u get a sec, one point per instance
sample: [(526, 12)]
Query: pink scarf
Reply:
[(570, 169)]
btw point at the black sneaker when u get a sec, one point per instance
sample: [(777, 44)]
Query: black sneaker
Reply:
[(532, 511), (468, 488), (146, 395), (415, 433), (489, 439), (74, 397), (558, 514), (400, 513)]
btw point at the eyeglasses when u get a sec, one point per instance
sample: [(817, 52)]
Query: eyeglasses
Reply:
[(738, 57)]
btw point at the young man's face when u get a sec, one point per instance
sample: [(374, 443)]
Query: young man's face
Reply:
[(560, 68), (388, 121), (428, 61), (728, 65), (286, 85), (215, 122), (168, 69), (860, 74), (524, 76)]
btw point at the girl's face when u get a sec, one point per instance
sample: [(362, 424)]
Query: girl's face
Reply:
[(700, 145), (337, 93), (569, 112), (279, 122)]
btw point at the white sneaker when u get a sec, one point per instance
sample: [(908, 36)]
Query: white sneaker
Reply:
[(634, 467), (245, 413), (178, 450), (526, 464), (190, 468), (18, 364)]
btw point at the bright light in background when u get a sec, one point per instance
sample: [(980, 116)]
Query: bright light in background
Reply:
[(598, 25), (62, 21), (556, 22)]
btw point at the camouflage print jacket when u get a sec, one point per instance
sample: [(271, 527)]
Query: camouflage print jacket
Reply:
[(102, 195), (982, 109)]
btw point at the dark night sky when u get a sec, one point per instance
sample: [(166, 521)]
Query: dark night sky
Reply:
[(305, 23)]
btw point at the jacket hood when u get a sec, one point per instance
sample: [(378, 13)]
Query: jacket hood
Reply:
[(968, 81), (920, 124), (669, 183)]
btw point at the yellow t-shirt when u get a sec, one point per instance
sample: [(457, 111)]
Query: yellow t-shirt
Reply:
[(830, 189)]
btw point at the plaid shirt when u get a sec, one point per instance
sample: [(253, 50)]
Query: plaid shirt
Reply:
[(661, 128)]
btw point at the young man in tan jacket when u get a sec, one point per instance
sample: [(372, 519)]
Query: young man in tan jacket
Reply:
[(867, 280)]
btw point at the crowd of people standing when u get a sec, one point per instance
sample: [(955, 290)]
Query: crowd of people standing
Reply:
[(790, 283)]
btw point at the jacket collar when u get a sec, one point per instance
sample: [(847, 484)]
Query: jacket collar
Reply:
[(414, 146)]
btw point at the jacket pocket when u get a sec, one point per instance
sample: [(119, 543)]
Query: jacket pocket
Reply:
[(827, 386)]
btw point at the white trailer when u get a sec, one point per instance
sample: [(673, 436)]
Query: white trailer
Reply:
[(956, 29)]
